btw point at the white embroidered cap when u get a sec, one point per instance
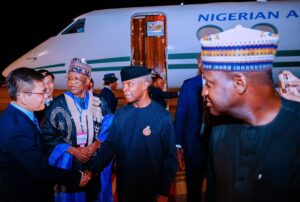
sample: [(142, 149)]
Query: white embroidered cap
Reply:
[(239, 49)]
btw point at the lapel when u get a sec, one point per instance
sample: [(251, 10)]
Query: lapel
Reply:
[(26, 121)]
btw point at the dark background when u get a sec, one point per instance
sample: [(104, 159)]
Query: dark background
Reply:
[(25, 24)]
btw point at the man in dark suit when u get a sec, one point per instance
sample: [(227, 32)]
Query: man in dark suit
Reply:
[(24, 171), (188, 123), (110, 84)]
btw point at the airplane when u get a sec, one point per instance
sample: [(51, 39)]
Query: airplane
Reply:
[(166, 39)]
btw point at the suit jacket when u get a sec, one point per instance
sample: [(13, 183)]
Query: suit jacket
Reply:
[(188, 118), (110, 98), (24, 171)]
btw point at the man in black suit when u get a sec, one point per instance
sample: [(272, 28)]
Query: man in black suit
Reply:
[(110, 84), (24, 171)]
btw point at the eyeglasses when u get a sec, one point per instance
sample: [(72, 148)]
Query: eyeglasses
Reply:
[(37, 93)]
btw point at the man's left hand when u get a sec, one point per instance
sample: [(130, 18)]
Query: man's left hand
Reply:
[(93, 147)]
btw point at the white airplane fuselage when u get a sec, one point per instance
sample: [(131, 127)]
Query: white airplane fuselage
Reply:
[(106, 45)]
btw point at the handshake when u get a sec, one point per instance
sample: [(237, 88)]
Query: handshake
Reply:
[(86, 177)]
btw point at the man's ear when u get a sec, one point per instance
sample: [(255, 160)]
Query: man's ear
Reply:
[(87, 81), (240, 83), (146, 84), (22, 98)]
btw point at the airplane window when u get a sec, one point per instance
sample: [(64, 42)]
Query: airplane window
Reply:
[(76, 27), (266, 27), (208, 30)]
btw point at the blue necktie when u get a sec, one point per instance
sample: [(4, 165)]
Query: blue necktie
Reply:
[(203, 120), (36, 122)]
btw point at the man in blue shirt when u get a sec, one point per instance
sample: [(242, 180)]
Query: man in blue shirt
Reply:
[(24, 171)]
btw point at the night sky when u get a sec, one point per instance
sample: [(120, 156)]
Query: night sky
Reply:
[(25, 24)]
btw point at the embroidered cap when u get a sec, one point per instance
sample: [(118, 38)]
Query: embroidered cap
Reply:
[(239, 49), (132, 72), (80, 66)]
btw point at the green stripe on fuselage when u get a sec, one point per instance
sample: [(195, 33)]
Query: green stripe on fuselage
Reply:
[(286, 64), (182, 66), (288, 53), (100, 69), (107, 60), (183, 56), (50, 66), (174, 56)]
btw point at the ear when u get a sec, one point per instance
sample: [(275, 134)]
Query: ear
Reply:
[(240, 83), (87, 81), (22, 98), (146, 84)]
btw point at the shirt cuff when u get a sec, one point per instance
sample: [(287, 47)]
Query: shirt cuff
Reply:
[(178, 146)]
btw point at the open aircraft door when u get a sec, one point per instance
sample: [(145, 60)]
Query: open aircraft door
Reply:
[(149, 42)]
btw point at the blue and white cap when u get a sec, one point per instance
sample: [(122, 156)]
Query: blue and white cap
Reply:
[(239, 49)]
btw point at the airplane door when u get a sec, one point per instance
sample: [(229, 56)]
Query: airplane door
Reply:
[(149, 42)]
